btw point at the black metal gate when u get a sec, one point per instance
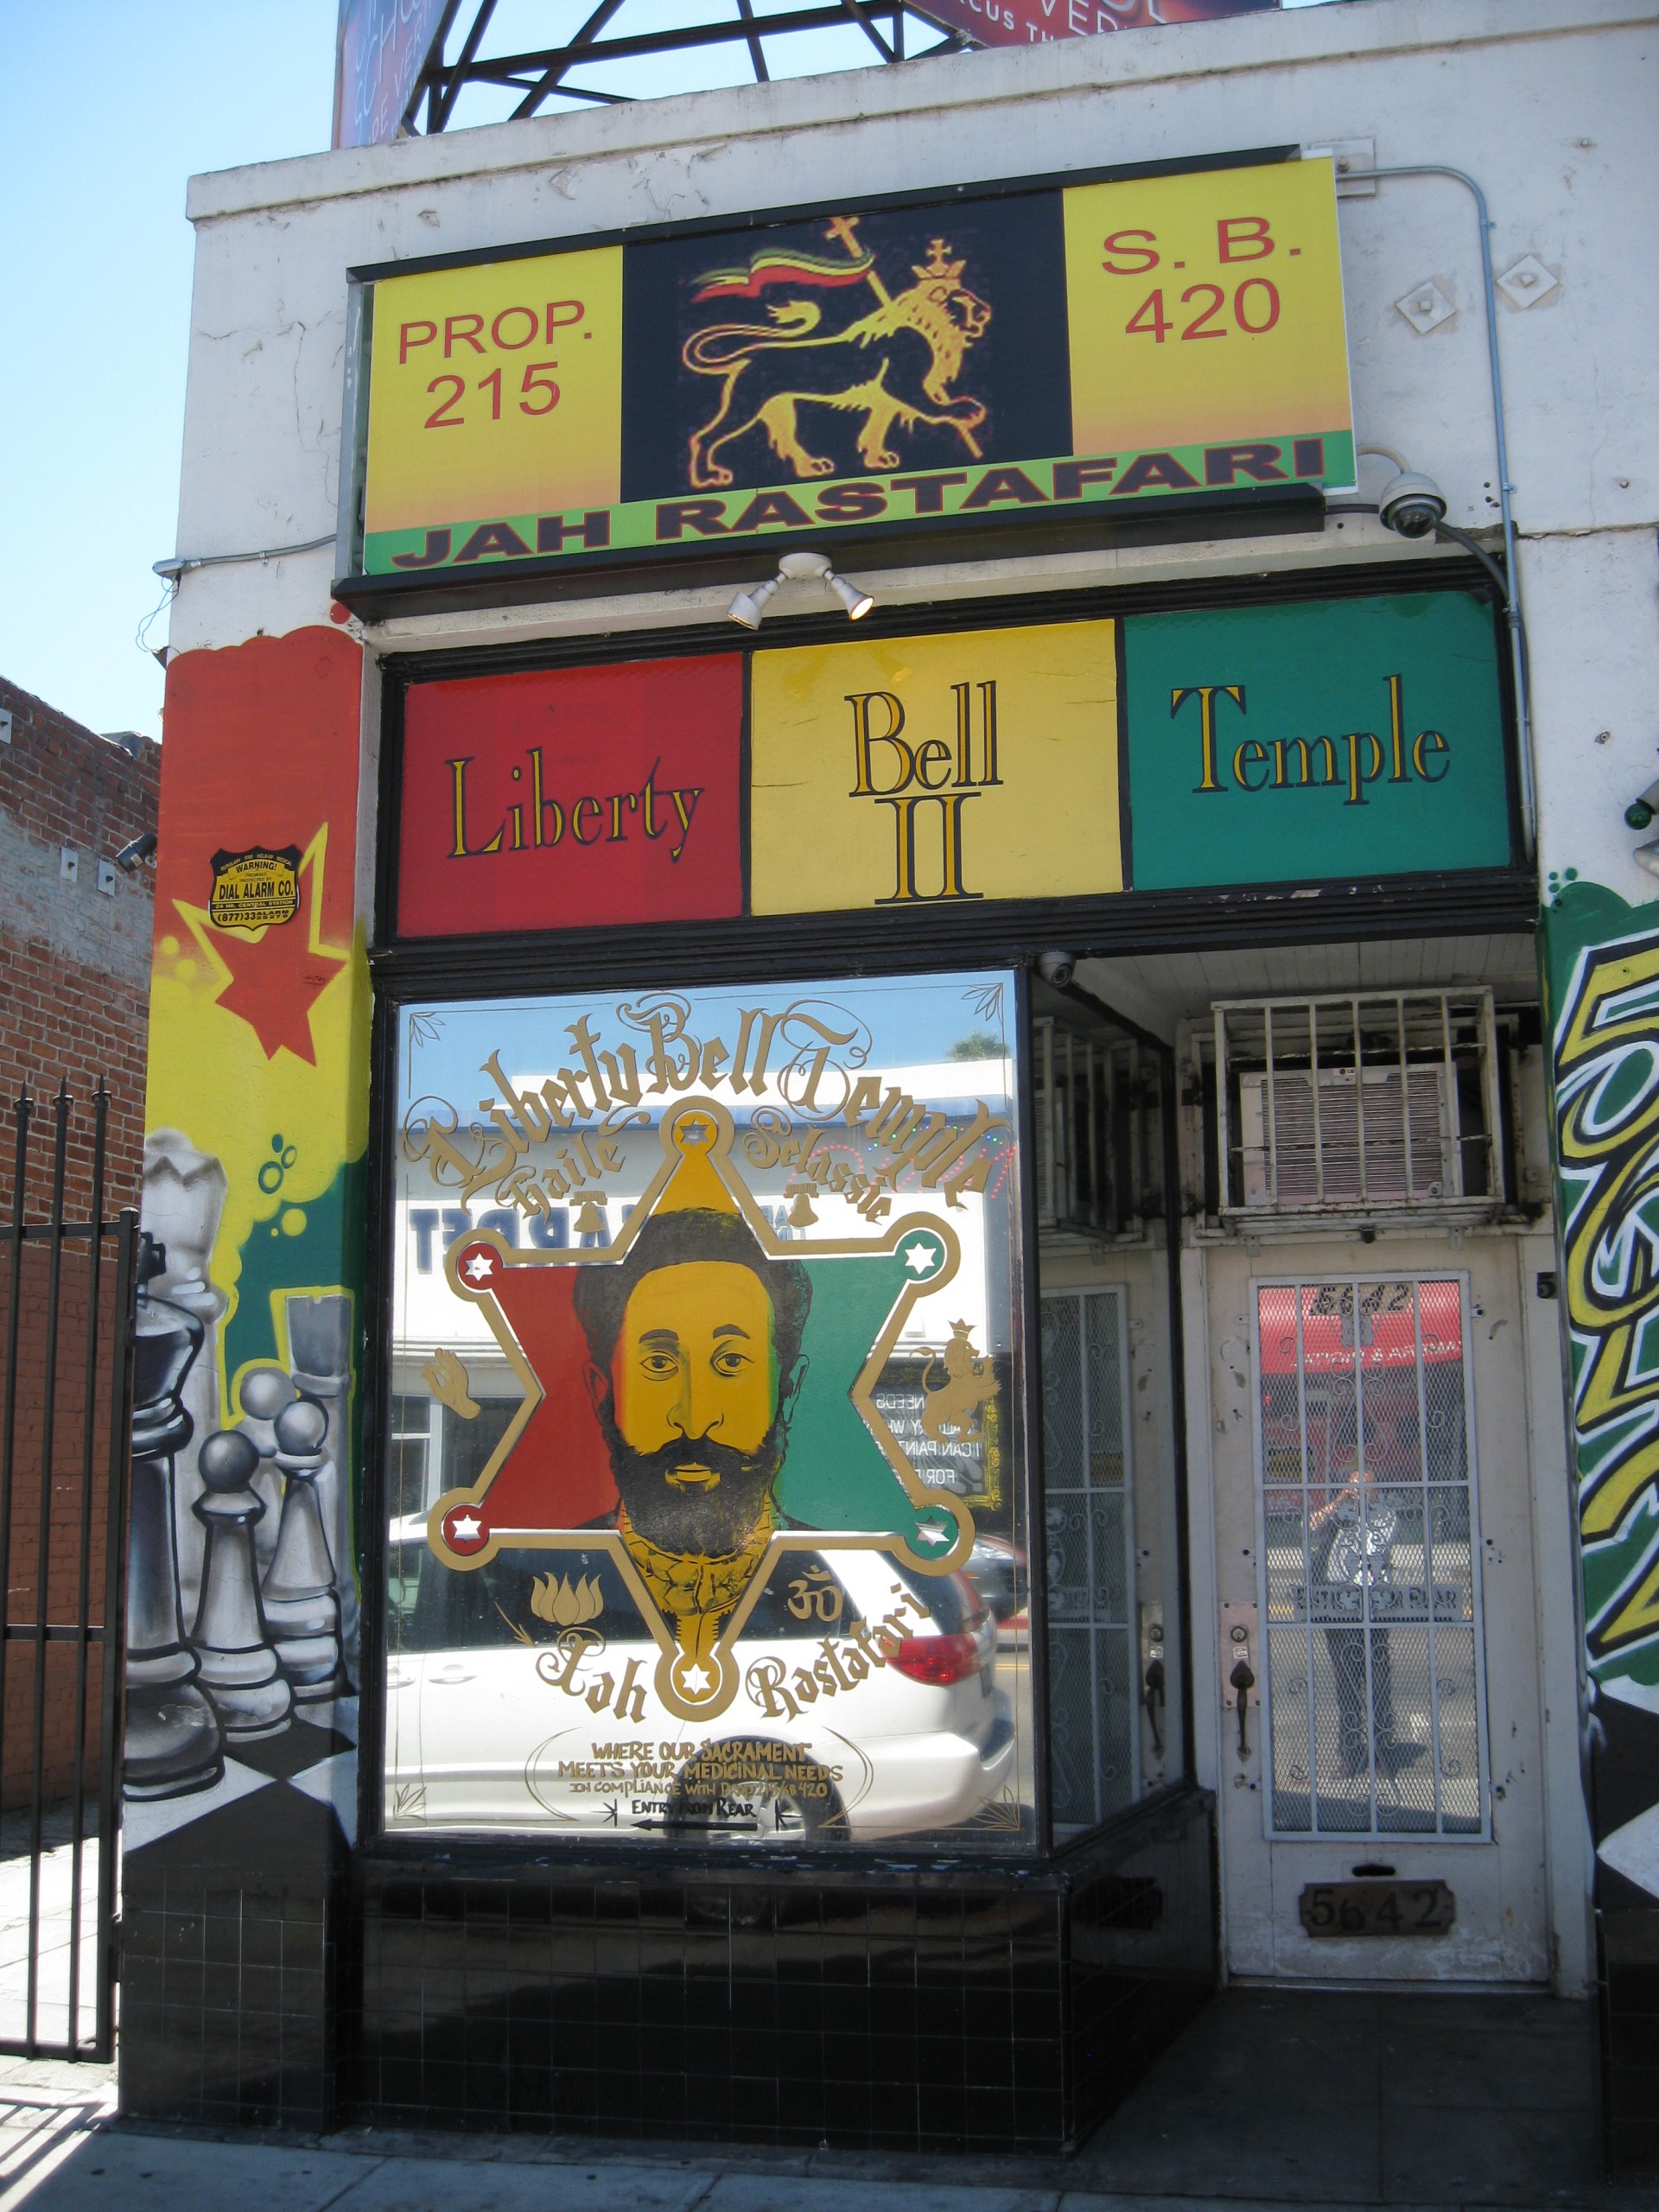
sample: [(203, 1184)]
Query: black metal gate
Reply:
[(67, 1292)]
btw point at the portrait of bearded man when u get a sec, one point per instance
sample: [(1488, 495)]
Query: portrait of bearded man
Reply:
[(695, 1367)]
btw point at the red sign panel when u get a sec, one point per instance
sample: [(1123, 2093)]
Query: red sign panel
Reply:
[(1034, 23), (566, 798)]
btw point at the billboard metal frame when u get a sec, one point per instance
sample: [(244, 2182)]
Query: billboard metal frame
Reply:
[(542, 73)]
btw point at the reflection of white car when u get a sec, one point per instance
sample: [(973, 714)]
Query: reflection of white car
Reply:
[(498, 1718)]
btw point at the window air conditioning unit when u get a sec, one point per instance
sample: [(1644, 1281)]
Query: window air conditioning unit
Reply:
[(1358, 1103)]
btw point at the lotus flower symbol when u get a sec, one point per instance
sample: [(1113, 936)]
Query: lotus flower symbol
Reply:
[(563, 1602)]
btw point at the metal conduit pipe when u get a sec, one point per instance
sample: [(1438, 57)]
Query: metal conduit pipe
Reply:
[(1512, 596)]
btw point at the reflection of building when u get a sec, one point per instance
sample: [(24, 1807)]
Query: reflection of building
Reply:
[(1143, 922)]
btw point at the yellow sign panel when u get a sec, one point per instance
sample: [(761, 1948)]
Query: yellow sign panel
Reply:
[(918, 771), (1205, 304), (495, 390)]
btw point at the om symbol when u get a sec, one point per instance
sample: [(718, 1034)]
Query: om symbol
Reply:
[(816, 1592), (272, 1171)]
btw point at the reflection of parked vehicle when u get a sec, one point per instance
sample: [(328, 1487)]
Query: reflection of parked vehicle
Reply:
[(997, 1570), (522, 1695)]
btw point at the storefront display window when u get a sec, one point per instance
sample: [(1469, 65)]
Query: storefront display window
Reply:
[(708, 1477)]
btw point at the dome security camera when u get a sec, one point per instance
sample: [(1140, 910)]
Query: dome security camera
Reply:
[(1412, 505), (1057, 967)]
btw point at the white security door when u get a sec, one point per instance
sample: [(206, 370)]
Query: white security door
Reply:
[(1371, 1472)]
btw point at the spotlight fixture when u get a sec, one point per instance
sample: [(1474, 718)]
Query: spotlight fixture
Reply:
[(130, 857), (857, 603), (749, 607)]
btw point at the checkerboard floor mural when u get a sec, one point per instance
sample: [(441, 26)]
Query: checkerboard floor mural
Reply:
[(312, 1762)]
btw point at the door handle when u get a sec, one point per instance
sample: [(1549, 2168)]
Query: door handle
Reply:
[(1152, 1700), (1242, 1679), (452, 1680)]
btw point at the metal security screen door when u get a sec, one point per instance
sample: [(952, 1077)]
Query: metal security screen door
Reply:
[(1093, 1691), (1370, 1587)]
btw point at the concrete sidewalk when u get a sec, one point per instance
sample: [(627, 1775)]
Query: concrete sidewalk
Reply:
[(1276, 2099)]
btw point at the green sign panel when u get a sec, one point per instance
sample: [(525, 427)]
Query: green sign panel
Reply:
[(1340, 739)]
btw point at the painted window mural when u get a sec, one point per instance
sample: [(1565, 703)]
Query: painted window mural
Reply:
[(705, 1483)]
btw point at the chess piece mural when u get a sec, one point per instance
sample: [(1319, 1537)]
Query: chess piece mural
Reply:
[(237, 1662), (320, 1349), (301, 1606), (263, 1392), (183, 1199), (173, 1737)]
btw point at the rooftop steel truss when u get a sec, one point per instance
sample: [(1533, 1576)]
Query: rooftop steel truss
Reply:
[(458, 58)]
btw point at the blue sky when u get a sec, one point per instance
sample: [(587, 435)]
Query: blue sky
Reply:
[(110, 105)]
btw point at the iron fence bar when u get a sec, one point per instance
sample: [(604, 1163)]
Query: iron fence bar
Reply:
[(1273, 1107), (83, 1585), (1359, 1106), (1453, 1111), (115, 1570), (1486, 1013), (1430, 1568), (23, 1111), (44, 1231), (43, 1559), (55, 1633), (1318, 1127)]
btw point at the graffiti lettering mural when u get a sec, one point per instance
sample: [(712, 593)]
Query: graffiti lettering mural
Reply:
[(1607, 1105)]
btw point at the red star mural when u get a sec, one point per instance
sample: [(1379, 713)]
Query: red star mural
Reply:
[(273, 981)]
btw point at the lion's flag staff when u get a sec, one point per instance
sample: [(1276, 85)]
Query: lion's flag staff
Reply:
[(843, 229)]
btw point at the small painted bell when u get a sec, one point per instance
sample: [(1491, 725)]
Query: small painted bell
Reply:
[(590, 1218), (801, 1215)]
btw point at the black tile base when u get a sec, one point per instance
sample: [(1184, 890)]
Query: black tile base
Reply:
[(899, 2007), (229, 1968), (271, 1978), (1629, 1948)]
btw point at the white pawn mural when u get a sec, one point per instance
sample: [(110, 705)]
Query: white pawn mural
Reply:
[(262, 1393), (238, 1663), (301, 1606)]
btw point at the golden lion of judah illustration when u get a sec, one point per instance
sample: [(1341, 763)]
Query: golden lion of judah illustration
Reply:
[(895, 364)]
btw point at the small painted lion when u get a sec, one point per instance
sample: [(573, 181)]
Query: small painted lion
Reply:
[(895, 365)]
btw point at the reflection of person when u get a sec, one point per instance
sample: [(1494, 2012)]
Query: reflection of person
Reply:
[(1353, 1558), (695, 1363)]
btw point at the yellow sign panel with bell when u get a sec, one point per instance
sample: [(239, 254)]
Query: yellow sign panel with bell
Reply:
[(899, 771)]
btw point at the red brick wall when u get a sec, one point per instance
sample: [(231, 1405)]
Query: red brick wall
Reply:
[(74, 985)]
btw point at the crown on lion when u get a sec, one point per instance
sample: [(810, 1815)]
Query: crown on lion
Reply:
[(938, 269)]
